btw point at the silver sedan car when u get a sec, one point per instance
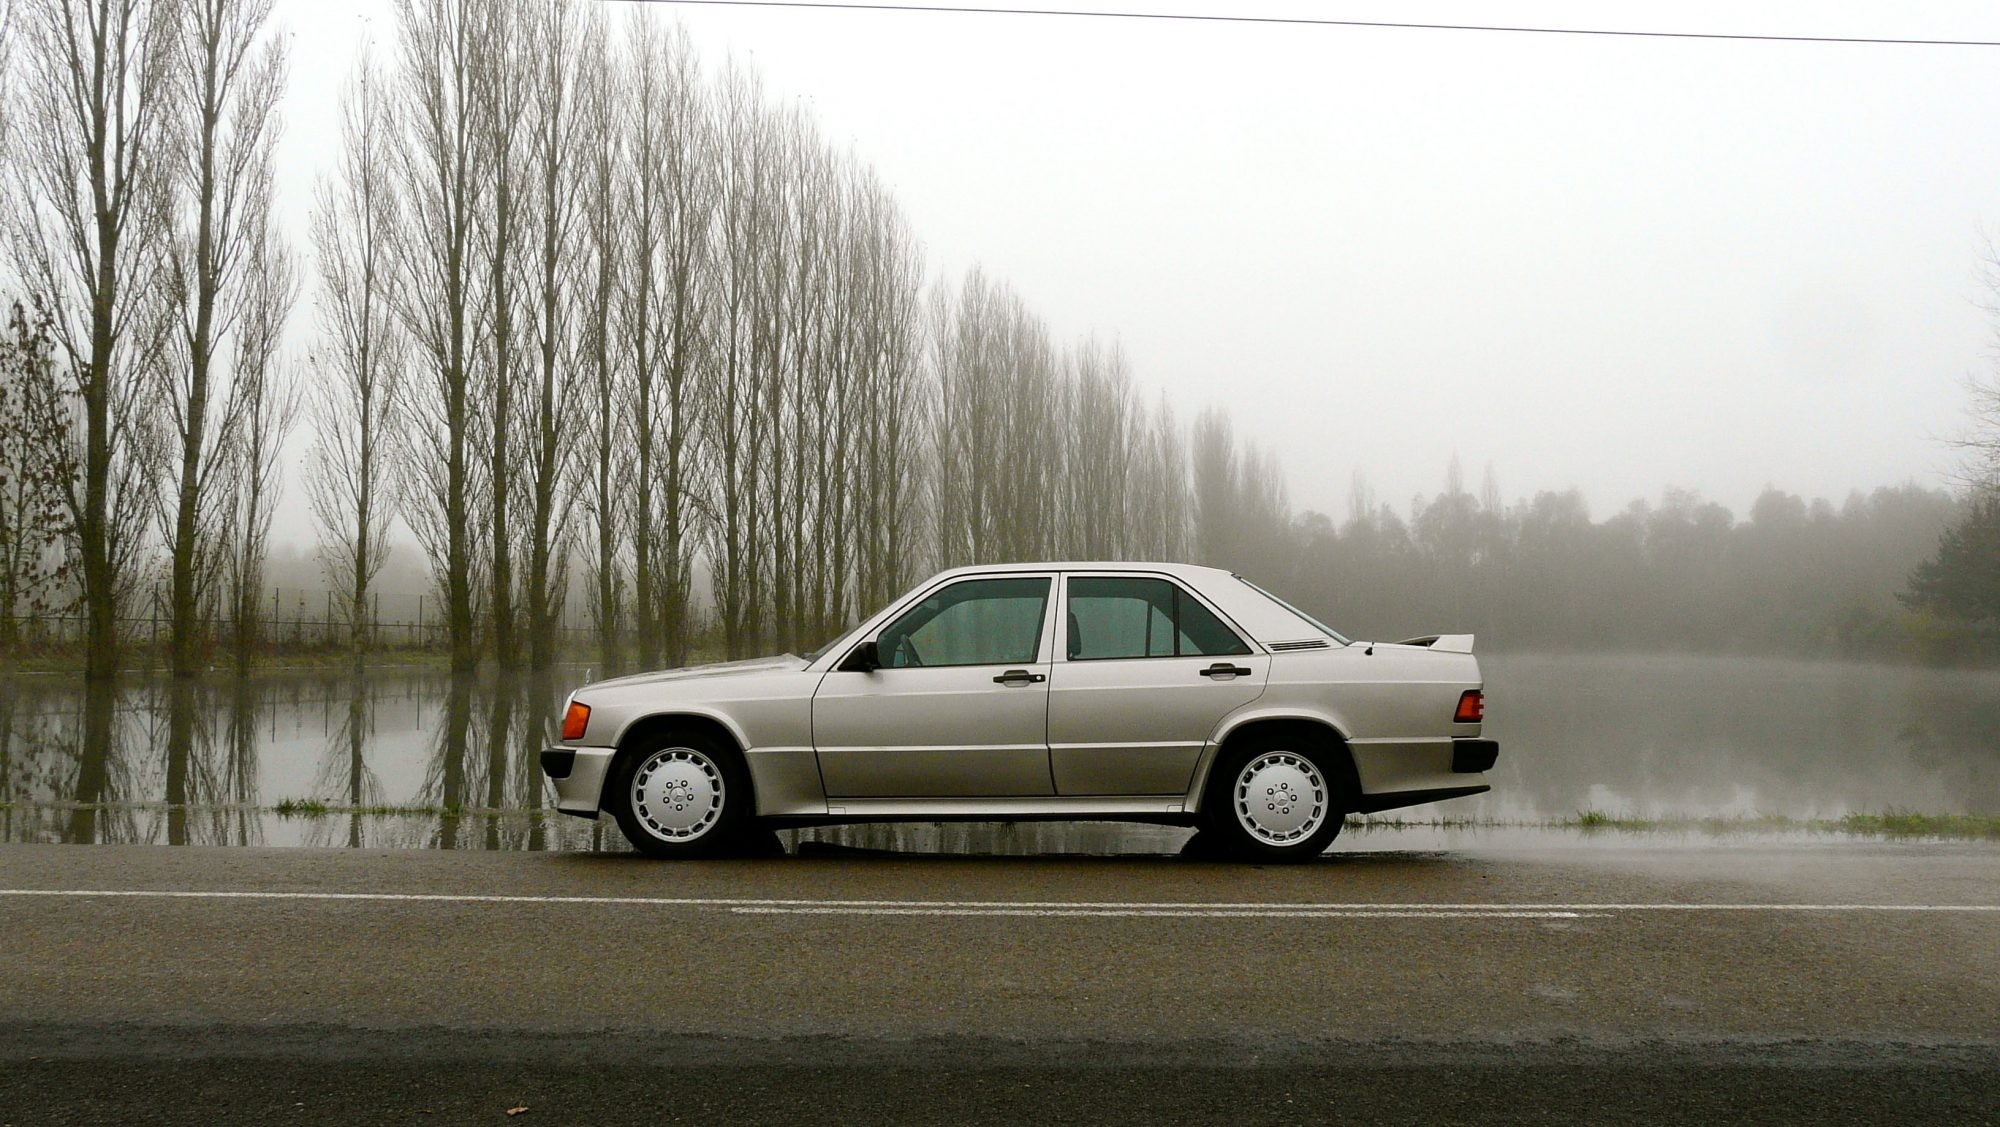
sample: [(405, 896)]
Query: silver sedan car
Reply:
[(1134, 692)]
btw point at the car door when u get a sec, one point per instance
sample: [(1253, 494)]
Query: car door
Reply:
[(1147, 671), (959, 708)]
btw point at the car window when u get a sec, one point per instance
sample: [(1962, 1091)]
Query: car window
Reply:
[(1131, 616), (1314, 622), (972, 622)]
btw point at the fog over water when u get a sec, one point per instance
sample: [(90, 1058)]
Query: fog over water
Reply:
[(1629, 735)]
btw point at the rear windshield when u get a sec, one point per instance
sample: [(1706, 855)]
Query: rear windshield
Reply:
[(1317, 624)]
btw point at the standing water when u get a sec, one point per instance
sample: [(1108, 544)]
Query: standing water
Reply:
[(415, 758)]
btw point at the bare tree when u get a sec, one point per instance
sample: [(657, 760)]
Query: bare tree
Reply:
[(672, 200), (90, 186), (270, 409), (228, 86), (609, 451), (555, 192), (736, 414), (803, 306), (356, 403), (501, 98), (1217, 487), (442, 172), (890, 405), (1099, 455), (1161, 522)]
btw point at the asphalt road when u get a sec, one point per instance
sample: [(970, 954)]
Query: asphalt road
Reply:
[(1538, 980)]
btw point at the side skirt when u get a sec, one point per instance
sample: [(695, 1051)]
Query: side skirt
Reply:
[(1162, 810)]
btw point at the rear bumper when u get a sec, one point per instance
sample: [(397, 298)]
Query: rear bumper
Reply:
[(1470, 757), (578, 774)]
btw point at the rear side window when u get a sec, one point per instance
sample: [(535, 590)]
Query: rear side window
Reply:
[(1129, 616)]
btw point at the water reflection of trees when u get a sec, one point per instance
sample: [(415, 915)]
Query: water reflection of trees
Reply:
[(344, 769), (181, 761), (484, 777), (209, 765), (201, 762)]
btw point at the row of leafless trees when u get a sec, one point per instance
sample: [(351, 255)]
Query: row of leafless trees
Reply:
[(593, 319), (139, 188)]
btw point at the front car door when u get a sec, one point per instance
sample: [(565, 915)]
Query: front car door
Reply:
[(959, 708), (1147, 672)]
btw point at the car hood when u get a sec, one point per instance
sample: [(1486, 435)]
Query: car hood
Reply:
[(783, 663)]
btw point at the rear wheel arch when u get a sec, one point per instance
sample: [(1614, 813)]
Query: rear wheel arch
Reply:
[(1307, 733)]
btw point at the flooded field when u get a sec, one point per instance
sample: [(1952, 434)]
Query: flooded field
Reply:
[(415, 759)]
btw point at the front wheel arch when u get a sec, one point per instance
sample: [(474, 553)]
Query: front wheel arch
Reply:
[(646, 735)]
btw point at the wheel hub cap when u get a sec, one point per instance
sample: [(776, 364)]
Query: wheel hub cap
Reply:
[(1280, 798), (677, 793)]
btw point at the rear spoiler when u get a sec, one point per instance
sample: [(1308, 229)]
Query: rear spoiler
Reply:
[(1443, 643)]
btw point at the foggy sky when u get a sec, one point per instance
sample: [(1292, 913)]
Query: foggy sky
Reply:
[(1613, 264)]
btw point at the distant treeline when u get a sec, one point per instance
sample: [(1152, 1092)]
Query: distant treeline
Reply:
[(1683, 574)]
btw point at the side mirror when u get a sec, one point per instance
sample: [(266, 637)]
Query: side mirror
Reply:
[(865, 659)]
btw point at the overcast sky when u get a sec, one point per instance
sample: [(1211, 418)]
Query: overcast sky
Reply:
[(1615, 264)]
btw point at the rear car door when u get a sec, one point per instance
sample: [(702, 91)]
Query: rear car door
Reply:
[(959, 708), (1146, 672)]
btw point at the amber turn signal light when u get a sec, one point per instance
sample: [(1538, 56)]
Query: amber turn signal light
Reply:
[(578, 718), (1471, 707)]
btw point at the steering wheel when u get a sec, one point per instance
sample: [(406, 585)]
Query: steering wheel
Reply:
[(906, 654)]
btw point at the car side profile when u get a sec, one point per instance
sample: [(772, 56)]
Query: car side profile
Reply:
[(1163, 693)]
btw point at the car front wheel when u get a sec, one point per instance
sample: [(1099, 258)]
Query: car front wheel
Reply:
[(680, 795), (1271, 801)]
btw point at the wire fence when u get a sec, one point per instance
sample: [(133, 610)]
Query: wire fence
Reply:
[(291, 620)]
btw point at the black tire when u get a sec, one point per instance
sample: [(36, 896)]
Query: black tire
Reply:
[(649, 779), (1289, 761)]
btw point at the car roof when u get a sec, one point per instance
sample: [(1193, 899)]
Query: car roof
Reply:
[(1191, 571)]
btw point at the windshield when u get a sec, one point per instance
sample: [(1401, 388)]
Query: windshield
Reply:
[(1317, 624), (837, 639)]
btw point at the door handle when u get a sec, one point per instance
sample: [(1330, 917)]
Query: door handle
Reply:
[(1224, 669), (1019, 677)]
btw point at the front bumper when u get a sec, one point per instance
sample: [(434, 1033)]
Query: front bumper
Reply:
[(578, 774)]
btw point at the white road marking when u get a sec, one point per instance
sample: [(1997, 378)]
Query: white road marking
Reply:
[(1149, 913), (1109, 908)]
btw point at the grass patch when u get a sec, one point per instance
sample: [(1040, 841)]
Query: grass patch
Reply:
[(300, 808), (1909, 823)]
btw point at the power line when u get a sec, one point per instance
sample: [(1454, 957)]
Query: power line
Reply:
[(1303, 21)]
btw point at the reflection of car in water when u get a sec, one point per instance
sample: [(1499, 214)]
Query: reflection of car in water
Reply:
[(1136, 692)]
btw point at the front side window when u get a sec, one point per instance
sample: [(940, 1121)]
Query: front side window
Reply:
[(972, 622), (1128, 617)]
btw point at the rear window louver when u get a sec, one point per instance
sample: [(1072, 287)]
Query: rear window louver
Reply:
[(1304, 644)]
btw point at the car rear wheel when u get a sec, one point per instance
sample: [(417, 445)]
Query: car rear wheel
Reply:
[(1273, 800), (680, 794)]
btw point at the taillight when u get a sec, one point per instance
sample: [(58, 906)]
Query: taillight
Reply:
[(578, 718), (1471, 707)]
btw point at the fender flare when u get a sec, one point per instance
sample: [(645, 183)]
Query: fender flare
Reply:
[(1241, 718), (695, 712)]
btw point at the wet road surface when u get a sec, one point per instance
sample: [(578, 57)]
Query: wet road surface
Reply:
[(1540, 977)]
